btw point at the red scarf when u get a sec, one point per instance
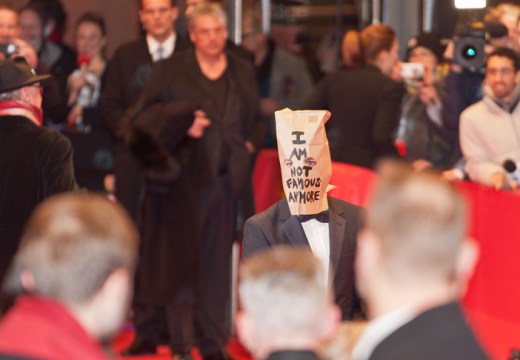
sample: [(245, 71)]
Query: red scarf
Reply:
[(14, 104)]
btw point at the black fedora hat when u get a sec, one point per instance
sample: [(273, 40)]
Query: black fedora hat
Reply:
[(16, 73)]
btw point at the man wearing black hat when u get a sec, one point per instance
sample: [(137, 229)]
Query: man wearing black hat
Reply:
[(36, 162)]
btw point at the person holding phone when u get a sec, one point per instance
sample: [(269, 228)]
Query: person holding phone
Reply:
[(420, 127)]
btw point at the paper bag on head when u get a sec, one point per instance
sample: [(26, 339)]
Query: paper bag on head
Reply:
[(303, 150)]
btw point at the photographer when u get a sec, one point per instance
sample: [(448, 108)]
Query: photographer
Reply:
[(463, 83), (12, 46), (58, 59), (421, 127)]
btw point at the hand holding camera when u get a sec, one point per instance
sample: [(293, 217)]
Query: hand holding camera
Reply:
[(8, 49), (18, 47), (420, 77)]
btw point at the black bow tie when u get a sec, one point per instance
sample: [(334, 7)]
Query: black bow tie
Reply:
[(322, 217)]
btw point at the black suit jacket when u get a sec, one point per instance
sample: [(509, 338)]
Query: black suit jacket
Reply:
[(35, 163), (293, 355), (180, 79), (439, 333), (365, 106), (276, 226)]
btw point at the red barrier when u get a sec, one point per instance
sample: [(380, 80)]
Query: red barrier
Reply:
[(353, 183), (493, 297), (267, 180)]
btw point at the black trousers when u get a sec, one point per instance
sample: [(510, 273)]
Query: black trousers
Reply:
[(171, 324), (218, 216)]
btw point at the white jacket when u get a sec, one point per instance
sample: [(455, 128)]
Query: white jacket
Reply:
[(489, 135)]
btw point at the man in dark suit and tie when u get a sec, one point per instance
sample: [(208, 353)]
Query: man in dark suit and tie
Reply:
[(413, 264), (126, 77), (308, 217)]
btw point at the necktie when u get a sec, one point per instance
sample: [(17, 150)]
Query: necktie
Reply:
[(322, 217), (160, 53)]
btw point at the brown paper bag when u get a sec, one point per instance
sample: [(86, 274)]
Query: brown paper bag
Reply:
[(305, 162)]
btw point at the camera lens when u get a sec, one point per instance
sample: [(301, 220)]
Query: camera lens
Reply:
[(469, 52)]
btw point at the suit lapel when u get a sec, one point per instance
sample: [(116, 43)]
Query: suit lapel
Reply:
[(336, 232), (291, 227)]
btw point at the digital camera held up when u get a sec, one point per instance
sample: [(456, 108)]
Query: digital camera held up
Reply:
[(8, 49)]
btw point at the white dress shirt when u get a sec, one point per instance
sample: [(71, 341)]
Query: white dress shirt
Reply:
[(160, 51), (378, 330), (317, 234)]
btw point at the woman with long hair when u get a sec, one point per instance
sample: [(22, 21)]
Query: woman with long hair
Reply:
[(362, 97)]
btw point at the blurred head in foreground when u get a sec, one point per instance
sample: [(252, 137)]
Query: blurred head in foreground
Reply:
[(79, 250), (287, 304), (413, 250)]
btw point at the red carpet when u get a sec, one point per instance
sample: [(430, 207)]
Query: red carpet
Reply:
[(124, 339)]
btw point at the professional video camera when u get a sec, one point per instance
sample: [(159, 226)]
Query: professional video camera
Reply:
[(470, 41)]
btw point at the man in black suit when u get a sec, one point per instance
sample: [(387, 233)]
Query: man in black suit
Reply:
[(126, 77), (287, 305), (412, 265), (219, 162), (36, 162), (331, 237)]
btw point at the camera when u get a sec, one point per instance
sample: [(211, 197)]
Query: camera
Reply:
[(469, 47), (412, 73), (471, 41), (8, 49)]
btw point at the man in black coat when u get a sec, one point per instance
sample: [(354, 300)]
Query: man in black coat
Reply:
[(218, 163), (126, 77), (413, 264), (168, 270), (332, 237), (36, 162)]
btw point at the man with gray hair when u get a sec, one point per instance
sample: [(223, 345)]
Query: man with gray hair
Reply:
[(412, 265), (36, 162), (75, 268), (287, 304)]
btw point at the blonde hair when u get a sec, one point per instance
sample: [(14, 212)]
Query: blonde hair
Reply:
[(421, 221), (207, 9), (284, 290), (495, 14)]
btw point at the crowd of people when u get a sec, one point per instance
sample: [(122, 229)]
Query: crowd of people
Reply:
[(176, 120)]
